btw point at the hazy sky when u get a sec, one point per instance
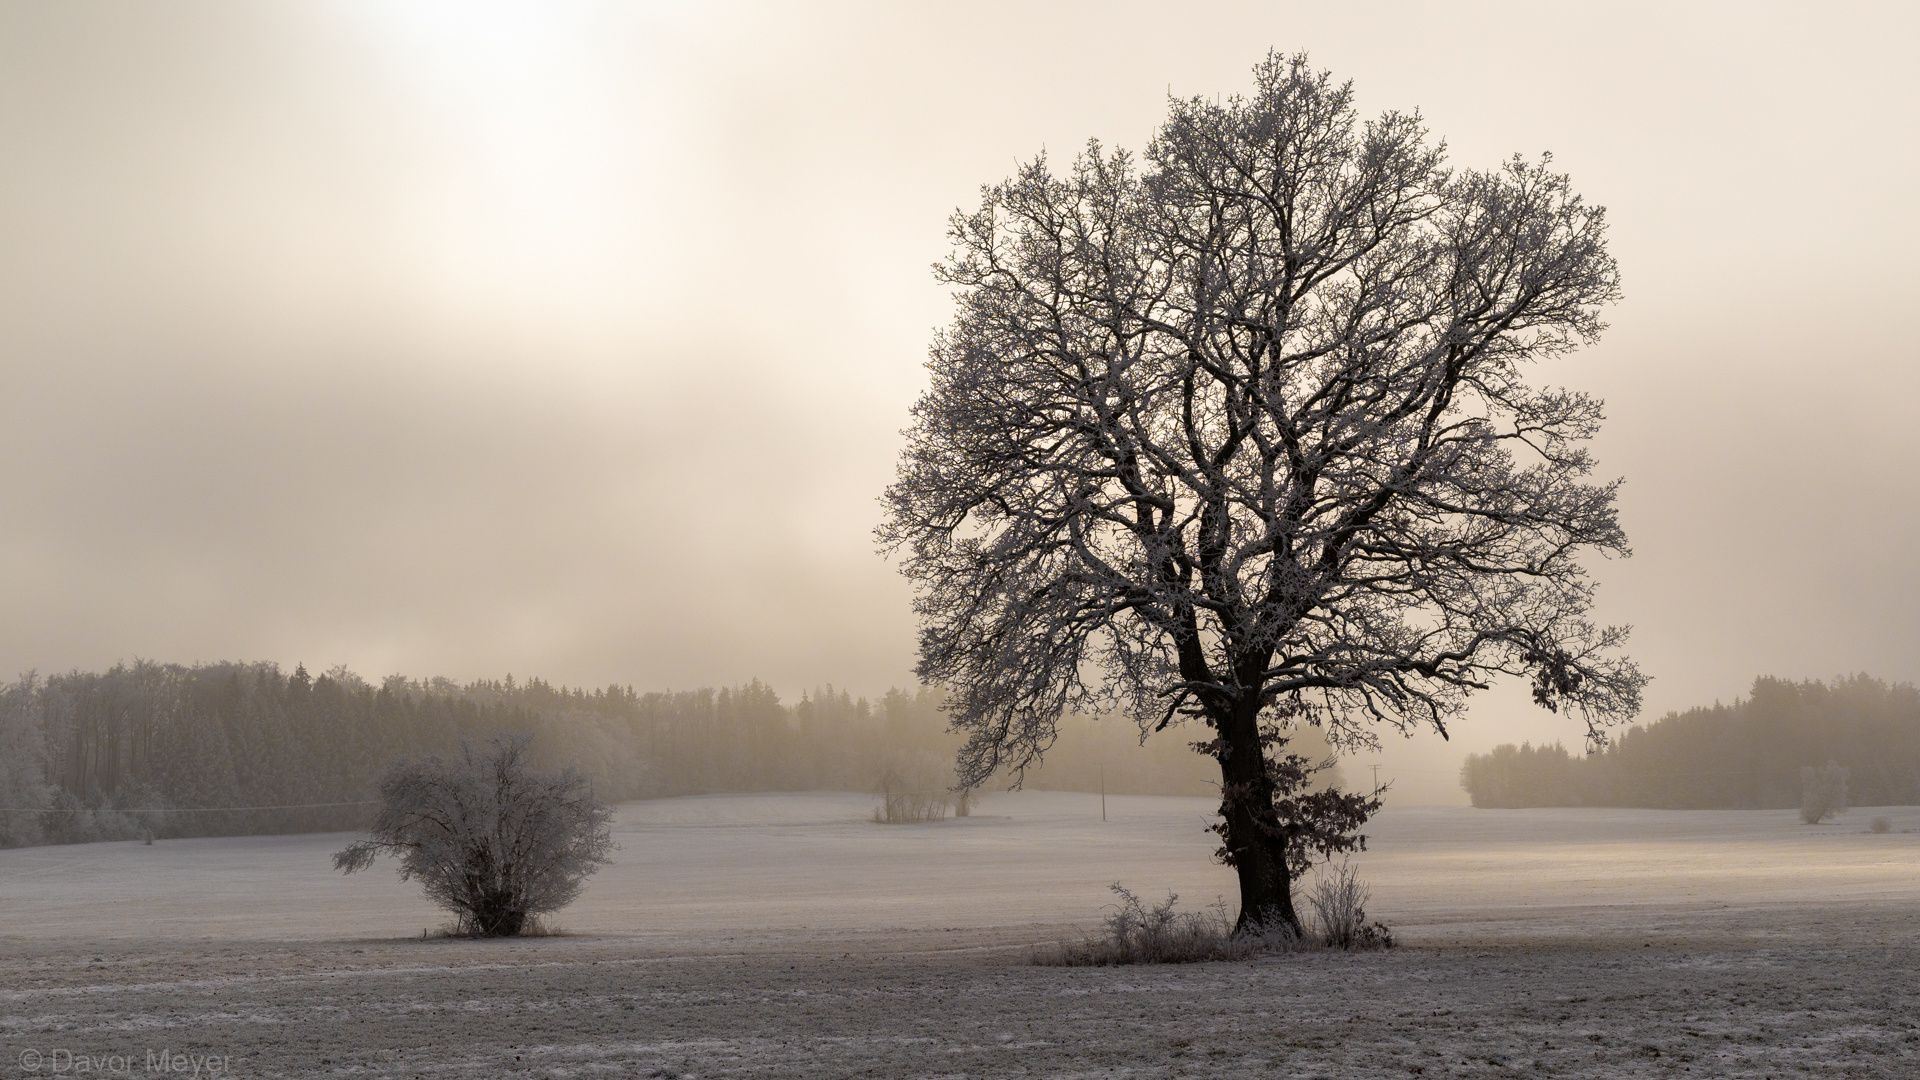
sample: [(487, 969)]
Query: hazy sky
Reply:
[(575, 340)]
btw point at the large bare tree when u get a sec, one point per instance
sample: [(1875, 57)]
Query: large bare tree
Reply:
[(1244, 435)]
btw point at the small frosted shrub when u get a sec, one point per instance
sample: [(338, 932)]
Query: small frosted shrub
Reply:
[(492, 840), (1882, 824)]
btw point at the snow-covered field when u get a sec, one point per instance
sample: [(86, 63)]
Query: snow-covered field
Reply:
[(786, 935)]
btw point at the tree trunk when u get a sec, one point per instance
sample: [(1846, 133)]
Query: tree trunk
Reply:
[(1255, 846)]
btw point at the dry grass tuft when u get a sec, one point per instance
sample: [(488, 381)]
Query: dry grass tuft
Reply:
[(1339, 901), (1135, 933)]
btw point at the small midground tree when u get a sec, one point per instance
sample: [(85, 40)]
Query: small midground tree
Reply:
[(1243, 434), (492, 840), (1823, 792)]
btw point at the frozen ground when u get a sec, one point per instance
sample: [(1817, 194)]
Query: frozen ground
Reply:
[(784, 935)]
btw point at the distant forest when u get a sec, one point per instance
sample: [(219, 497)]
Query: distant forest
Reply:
[(1744, 755), (229, 748)]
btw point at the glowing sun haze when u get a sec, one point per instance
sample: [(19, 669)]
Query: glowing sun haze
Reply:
[(575, 339)]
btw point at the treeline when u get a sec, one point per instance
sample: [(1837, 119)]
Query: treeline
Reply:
[(229, 749), (1744, 755)]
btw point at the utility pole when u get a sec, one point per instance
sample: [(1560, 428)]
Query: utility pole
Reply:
[(1376, 776), (1103, 791)]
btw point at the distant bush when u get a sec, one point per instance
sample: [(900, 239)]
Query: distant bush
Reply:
[(1823, 792), (914, 788), (910, 807), (1882, 824)]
